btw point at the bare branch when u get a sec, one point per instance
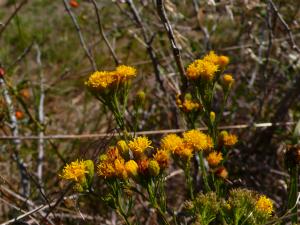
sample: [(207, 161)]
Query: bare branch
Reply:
[(176, 52), (286, 27), (12, 16), (82, 41), (112, 52)]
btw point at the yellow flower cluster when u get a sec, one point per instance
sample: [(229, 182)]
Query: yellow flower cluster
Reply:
[(139, 145), (75, 171), (264, 205), (214, 158), (207, 67), (187, 105), (227, 140), (101, 80), (113, 163), (184, 148)]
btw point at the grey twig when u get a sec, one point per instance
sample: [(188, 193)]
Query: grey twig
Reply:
[(141, 133), (82, 42), (176, 52), (15, 133), (19, 7), (286, 27), (112, 52), (148, 40), (40, 119)]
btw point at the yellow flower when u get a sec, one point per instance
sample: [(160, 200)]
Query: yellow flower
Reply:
[(120, 170), (75, 171), (132, 168), (212, 57), (214, 158), (139, 145), (230, 140), (124, 73), (106, 169), (185, 152), (264, 205), (201, 69), (197, 140), (189, 105), (162, 157), (228, 80), (100, 80), (171, 142), (223, 61)]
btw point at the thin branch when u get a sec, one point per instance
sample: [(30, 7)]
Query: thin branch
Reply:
[(19, 7), (82, 42), (15, 131), (103, 35), (148, 41), (152, 132), (286, 27), (41, 119), (176, 52)]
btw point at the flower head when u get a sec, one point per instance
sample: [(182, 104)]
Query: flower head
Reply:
[(185, 152), (230, 140), (75, 171), (124, 73), (264, 205), (214, 158), (139, 145), (197, 140), (212, 57), (202, 69), (106, 169), (163, 158), (171, 142), (100, 80)]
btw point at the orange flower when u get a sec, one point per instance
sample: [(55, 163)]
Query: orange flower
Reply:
[(74, 3), (19, 115)]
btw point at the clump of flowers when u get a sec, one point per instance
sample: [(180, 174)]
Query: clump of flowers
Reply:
[(226, 139), (264, 205), (111, 88), (81, 172), (214, 158)]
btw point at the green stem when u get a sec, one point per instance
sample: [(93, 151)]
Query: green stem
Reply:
[(203, 170), (189, 179), (293, 193)]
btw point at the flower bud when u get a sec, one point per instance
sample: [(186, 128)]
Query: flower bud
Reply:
[(74, 3), (188, 96), (19, 115), (123, 147), (227, 81), (141, 96), (212, 117), (89, 164), (132, 168), (153, 168), (223, 61), (292, 156)]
